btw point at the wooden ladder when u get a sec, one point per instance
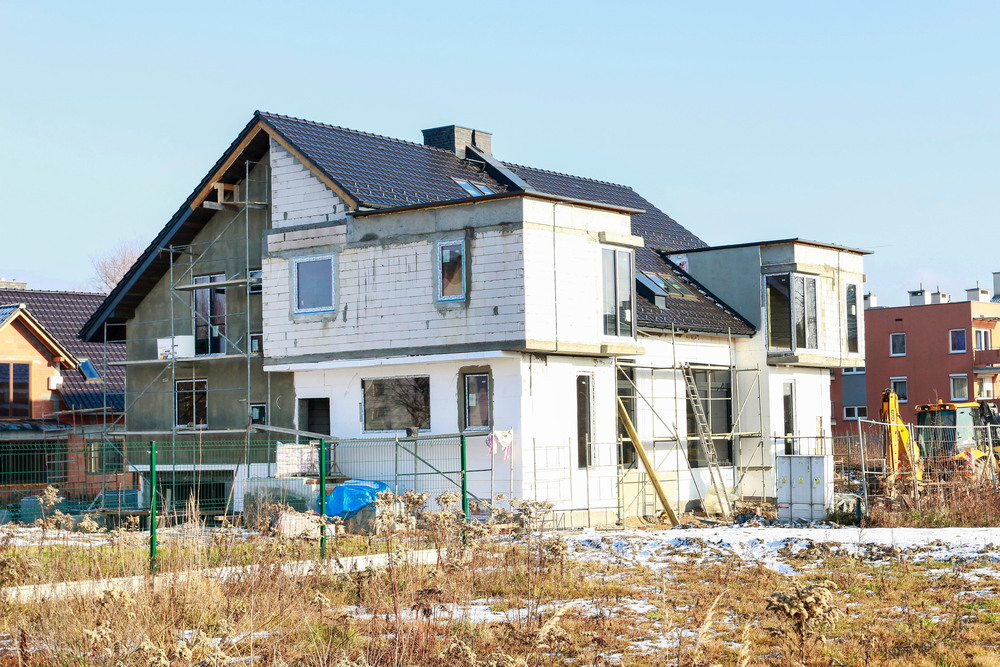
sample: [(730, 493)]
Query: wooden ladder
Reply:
[(705, 442)]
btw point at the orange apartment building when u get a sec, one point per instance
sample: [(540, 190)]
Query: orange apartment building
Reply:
[(932, 349), (54, 400)]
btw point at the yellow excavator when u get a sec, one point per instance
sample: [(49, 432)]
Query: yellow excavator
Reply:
[(952, 442)]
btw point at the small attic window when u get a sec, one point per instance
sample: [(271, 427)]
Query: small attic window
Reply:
[(89, 371), (649, 283), (667, 284), (475, 189)]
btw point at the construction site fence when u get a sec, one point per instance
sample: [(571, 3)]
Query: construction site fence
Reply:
[(110, 480)]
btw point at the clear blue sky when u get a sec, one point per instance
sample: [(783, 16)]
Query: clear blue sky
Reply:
[(872, 125)]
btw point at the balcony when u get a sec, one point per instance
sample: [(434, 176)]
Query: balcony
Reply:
[(986, 361)]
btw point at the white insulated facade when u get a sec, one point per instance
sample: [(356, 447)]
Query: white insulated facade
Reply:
[(528, 317)]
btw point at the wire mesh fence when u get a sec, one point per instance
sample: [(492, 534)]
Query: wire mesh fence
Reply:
[(111, 507)]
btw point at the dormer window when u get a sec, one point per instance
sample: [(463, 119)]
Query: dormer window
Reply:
[(475, 189)]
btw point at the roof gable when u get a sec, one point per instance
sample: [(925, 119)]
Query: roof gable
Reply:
[(12, 313)]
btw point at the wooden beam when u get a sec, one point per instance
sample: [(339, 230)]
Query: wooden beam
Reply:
[(230, 159), (650, 470)]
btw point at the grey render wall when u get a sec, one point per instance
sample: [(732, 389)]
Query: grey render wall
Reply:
[(149, 389), (733, 275)]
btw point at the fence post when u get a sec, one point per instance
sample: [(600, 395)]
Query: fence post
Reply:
[(322, 499), (465, 481), (152, 507)]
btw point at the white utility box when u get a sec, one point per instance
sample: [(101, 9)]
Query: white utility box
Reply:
[(178, 347), (805, 487)]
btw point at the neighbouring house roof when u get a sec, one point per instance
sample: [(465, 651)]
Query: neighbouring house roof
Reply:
[(815, 244), (63, 314), (692, 308), (373, 172)]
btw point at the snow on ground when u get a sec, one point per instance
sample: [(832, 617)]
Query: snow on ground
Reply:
[(774, 546)]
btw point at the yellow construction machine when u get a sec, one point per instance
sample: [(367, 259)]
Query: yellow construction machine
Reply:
[(950, 441)]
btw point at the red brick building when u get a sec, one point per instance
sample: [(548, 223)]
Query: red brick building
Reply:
[(931, 350)]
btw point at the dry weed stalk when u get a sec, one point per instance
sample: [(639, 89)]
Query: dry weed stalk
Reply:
[(809, 609)]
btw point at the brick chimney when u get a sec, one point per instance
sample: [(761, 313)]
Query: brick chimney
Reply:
[(455, 138), (940, 297)]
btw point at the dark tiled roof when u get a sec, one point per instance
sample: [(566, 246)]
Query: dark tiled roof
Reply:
[(379, 171), (63, 314), (699, 311), (657, 228)]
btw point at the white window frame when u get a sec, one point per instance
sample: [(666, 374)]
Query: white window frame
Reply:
[(254, 284), (258, 406), (891, 337), (892, 385), (951, 386), (438, 274), (854, 370), (984, 386), (793, 311), (951, 342), (983, 339), (295, 284), (851, 412), (616, 253)]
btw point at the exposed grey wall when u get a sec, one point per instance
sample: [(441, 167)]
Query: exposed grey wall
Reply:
[(733, 275)]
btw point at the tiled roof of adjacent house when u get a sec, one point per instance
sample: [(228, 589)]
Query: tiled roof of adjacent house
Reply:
[(63, 314), (7, 311), (696, 309)]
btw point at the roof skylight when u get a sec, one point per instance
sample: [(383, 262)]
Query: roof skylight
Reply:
[(89, 371), (475, 189)]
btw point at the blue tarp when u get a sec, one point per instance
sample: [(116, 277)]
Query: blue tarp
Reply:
[(349, 498)]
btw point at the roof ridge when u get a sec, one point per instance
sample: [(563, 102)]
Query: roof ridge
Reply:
[(561, 173), (53, 291), (352, 131)]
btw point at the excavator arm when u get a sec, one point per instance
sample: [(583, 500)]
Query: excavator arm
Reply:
[(900, 457)]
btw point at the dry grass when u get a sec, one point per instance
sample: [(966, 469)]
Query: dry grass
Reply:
[(545, 609)]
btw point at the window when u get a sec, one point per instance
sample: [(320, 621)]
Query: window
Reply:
[(90, 374), (854, 370), (855, 412), (959, 387), (625, 382), (788, 413), (314, 286), (256, 343), (396, 404), (258, 413), (477, 401), (983, 341), (210, 316), (15, 390), (255, 286), (956, 338), (897, 345), (898, 386), (852, 318), (984, 386), (192, 401), (715, 391), (584, 421), (475, 189), (618, 292), (105, 456), (450, 268), (791, 312)]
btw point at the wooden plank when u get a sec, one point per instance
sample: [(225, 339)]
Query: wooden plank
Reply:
[(233, 156), (650, 470)]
